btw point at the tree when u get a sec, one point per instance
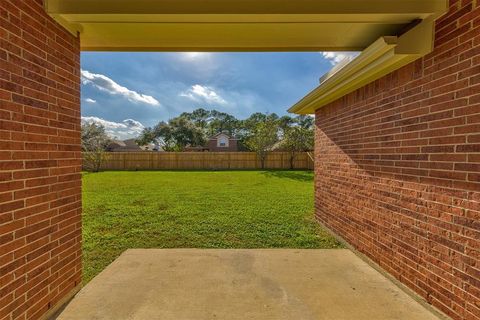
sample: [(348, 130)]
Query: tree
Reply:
[(94, 144), (297, 135), (285, 122), (304, 121), (147, 136), (213, 122), (190, 129), (174, 135), (255, 118), (262, 138), (297, 139), (223, 122), (259, 132), (200, 117), (248, 126)]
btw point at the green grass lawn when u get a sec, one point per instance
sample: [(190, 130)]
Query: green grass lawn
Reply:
[(172, 209)]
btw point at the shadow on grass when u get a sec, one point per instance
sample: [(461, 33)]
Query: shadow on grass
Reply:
[(294, 175)]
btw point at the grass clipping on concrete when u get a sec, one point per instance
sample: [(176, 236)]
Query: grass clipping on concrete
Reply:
[(219, 209)]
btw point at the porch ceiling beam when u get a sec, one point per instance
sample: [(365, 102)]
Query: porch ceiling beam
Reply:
[(417, 7), (231, 36), (237, 25)]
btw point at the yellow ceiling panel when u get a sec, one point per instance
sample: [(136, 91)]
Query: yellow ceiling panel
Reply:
[(237, 25)]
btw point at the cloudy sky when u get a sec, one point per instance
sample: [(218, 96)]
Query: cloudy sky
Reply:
[(128, 91)]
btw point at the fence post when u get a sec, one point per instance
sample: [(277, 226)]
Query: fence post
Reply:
[(310, 161)]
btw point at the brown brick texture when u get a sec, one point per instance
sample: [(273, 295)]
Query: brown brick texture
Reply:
[(232, 146), (40, 161), (398, 168)]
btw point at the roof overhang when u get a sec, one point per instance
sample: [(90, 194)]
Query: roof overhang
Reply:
[(383, 56), (237, 25)]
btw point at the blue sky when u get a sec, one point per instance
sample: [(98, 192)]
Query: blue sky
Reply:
[(127, 91)]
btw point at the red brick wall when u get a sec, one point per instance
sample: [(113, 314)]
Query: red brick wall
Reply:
[(398, 168), (40, 196)]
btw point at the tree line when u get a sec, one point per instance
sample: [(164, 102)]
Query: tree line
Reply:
[(260, 133)]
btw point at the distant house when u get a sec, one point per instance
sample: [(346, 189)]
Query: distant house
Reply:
[(130, 145), (222, 142)]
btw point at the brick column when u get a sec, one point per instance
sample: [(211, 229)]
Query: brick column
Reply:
[(398, 168), (40, 161)]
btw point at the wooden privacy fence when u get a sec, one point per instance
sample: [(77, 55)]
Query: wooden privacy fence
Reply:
[(202, 161)]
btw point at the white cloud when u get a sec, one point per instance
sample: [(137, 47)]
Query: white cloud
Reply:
[(88, 100), (337, 57), (126, 129), (191, 56), (203, 94), (106, 84)]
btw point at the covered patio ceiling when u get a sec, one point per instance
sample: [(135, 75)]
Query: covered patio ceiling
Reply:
[(238, 25)]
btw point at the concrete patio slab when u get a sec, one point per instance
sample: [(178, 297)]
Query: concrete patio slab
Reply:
[(183, 284)]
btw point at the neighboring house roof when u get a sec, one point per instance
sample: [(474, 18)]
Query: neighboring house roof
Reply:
[(151, 147), (125, 145), (117, 144), (222, 134), (131, 143)]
